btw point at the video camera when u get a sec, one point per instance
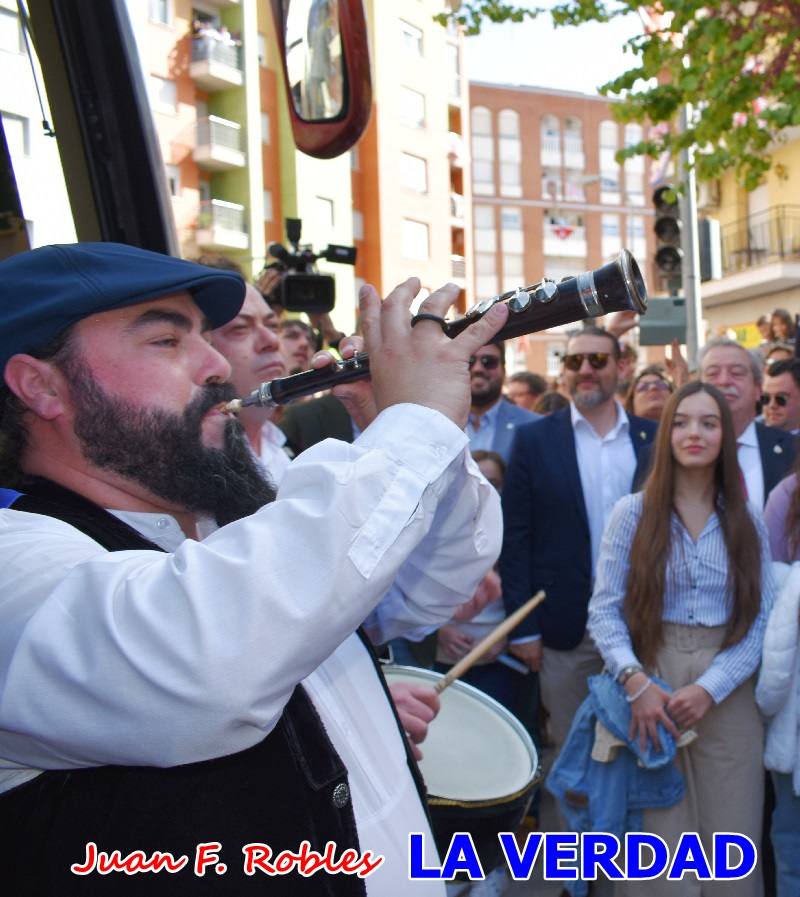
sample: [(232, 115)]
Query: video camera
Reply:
[(302, 287)]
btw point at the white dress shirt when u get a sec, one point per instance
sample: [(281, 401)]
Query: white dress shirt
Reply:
[(606, 465), (273, 455), (750, 464), (146, 658)]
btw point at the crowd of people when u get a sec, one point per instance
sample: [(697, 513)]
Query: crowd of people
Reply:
[(192, 607)]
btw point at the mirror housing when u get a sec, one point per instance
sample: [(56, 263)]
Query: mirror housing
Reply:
[(329, 137)]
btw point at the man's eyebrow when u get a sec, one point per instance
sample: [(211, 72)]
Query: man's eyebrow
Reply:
[(160, 316)]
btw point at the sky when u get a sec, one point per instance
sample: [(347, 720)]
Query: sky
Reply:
[(534, 53)]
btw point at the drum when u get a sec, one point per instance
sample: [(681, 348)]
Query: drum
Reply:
[(479, 764)]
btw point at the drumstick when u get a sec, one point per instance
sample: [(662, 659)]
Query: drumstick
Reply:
[(499, 632)]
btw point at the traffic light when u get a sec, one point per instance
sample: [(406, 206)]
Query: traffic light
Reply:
[(667, 229)]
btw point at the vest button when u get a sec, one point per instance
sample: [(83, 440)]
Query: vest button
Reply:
[(341, 795)]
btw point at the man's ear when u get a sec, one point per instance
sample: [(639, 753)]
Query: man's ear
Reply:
[(38, 384)]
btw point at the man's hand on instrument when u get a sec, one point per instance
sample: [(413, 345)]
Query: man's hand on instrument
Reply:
[(530, 653), (416, 706), (421, 364), (620, 322), (489, 590)]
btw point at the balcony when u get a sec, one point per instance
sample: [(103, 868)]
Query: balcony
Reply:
[(760, 255), (550, 151), (458, 268), (218, 144), (216, 64), (457, 209), (574, 157), (768, 236), (565, 241), (221, 225)]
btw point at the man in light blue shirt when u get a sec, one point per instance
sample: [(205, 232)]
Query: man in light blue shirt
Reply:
[(493, 420)]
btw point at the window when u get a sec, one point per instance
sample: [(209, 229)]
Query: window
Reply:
[(265, 128), (358, 225), (413, 173), (550, 140), (412, 108), (510, 153), (160, 11), (485, 233), (267, 199), (612, 239), (10, 32), (486, 283), (173, 179), (18, 134), (415, 240), (511, 223), (262, 49), (163, 94), (411, 37), (482, 152)]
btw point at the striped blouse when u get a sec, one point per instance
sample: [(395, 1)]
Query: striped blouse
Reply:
[(696, 594)]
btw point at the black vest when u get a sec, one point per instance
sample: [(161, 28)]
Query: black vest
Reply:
[(290, 787)]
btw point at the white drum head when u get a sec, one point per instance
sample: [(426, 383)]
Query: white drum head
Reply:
[(475, 749)]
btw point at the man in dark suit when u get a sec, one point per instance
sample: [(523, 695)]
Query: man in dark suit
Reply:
[(565, 474), (493, 420), (765, 453)]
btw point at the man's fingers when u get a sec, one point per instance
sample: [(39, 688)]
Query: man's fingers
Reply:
[(439, 301), (415, 727), (478, 335), (369, 312), (322, 359), (395, 308)]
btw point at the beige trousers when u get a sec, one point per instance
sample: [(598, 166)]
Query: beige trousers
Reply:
[(562, 680), (722, 769)]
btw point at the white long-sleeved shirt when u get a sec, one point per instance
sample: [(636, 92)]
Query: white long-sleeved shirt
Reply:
[(146, 658)]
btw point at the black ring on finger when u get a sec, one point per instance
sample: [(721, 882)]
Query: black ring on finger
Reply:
[(426, 316)]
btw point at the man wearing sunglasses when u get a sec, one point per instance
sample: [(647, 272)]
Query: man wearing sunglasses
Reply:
[(765, 453), (565, 474), (780, 400), (493, 420)]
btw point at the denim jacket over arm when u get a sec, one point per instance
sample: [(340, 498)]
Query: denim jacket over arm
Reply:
[(610, 797)]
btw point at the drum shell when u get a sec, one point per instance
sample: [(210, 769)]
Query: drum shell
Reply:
[(483, 818)]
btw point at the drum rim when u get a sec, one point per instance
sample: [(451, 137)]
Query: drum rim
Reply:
[(504, 712)]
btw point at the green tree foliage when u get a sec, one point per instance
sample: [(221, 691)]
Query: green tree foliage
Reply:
[(736, 63)]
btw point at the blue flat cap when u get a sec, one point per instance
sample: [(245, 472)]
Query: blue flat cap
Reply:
[(44, 291)]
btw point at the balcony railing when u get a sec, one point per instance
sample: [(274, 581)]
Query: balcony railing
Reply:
[(768, 236), (458, 266), (221, 225), (218, 144), (216, 63), (457, 206), (209, 49)]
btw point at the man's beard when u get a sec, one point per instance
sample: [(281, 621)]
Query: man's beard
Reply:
[(589, 400), (164, 452), (489, 396)]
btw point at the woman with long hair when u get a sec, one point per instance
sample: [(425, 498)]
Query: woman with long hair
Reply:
[(682, 591)]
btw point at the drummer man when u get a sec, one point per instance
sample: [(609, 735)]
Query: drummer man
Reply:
[(131, 646)]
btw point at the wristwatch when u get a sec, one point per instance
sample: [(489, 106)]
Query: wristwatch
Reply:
[(629, 671)]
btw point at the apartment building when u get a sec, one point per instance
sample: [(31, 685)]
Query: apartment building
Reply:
[(549, 198), (215, 83), (46, 216), (759, 243), (411, 172)]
